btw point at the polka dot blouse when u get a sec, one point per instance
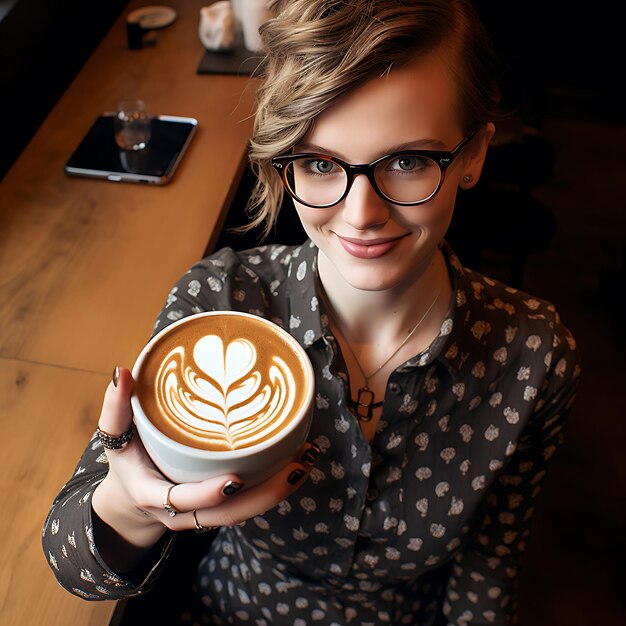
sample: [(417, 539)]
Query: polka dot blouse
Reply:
[(425, 525)]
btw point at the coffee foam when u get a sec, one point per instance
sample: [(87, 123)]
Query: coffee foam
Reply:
[(222, 390)]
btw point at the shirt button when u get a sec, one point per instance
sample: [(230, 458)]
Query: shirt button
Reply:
[(394, 388)]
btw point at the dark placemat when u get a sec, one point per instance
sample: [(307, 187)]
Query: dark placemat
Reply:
[(239, 61)]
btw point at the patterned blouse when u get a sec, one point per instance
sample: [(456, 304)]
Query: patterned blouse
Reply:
[(425, 525)]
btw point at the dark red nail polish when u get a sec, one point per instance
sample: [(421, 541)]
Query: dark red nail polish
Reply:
[(231, 487), (295, 476), (116, 375)]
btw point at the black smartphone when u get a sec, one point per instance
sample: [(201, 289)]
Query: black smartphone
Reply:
[(98, 155)]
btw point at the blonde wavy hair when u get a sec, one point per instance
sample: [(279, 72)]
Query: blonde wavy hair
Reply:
[(317, 50)]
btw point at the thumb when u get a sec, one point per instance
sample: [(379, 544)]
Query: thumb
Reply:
[(117, 415)]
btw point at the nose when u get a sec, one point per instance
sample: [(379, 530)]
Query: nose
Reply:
[(363, 208)]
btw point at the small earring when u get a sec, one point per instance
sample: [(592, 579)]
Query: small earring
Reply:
[(468, 178)]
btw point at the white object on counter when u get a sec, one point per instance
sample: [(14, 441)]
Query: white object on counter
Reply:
[(249, 15), (217, 26)]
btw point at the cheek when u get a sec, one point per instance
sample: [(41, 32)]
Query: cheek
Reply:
[(444, 215), (433, 217), (446, 197), (312, 219)]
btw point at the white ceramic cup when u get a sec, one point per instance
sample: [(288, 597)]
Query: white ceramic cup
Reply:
[(253, 464)]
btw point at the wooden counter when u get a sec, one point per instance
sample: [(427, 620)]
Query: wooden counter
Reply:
[(85, 266)]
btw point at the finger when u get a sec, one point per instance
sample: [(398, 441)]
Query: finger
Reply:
[(154, 494), (309, 454), (214, 491), (116, 415), (256, 500), (205, 494), (270, 493)]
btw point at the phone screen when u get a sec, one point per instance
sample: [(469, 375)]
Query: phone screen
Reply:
[(98, 155)]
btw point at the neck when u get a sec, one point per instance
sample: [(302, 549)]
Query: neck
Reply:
[(385, 316), (379, 330)]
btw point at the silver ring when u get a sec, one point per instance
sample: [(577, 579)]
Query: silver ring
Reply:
[(167, 505), (115, 443), (199, 527)]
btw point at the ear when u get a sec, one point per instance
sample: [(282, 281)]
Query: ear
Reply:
[(474, 156)]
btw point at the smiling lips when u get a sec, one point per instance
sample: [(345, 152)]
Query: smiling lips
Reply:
[(368, 248)]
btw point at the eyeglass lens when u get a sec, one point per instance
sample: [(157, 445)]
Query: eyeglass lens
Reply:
[(402, 178)]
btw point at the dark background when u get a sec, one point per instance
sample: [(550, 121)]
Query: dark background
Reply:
[(549, 216), (43, 44)]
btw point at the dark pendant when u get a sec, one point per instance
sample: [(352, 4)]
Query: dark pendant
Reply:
[(364, 404)]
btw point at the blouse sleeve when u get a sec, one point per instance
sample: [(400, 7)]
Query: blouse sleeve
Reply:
[(481, 588), (68, 539), (225, 281)]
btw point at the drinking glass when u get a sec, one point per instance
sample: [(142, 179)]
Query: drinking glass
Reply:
[(132, 125)]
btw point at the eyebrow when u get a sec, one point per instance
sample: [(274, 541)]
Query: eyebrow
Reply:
[(419, 144)]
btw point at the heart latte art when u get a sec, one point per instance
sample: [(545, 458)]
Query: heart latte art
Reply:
[(221, 383), (215, 393)]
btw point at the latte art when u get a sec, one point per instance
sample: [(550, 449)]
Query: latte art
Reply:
[(223, 381), (217, 395)]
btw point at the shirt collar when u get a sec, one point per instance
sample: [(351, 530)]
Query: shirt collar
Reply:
[(307, 321), (466, 325)]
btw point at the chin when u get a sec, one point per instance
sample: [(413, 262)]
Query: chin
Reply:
[(372, 279)]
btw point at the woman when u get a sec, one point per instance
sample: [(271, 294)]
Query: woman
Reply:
[(440, 394)]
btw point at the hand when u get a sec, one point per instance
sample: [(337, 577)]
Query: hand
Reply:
[(131, 497)]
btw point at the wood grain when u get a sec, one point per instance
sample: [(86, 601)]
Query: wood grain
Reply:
[(86, 264), (47, 416)]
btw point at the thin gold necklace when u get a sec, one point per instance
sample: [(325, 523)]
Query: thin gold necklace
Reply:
[(364, 404)]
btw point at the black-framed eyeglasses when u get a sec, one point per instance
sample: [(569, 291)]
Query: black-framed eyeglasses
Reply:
[(405, 178)]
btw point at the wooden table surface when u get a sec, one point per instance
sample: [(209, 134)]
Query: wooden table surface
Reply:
[(85, 266)]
